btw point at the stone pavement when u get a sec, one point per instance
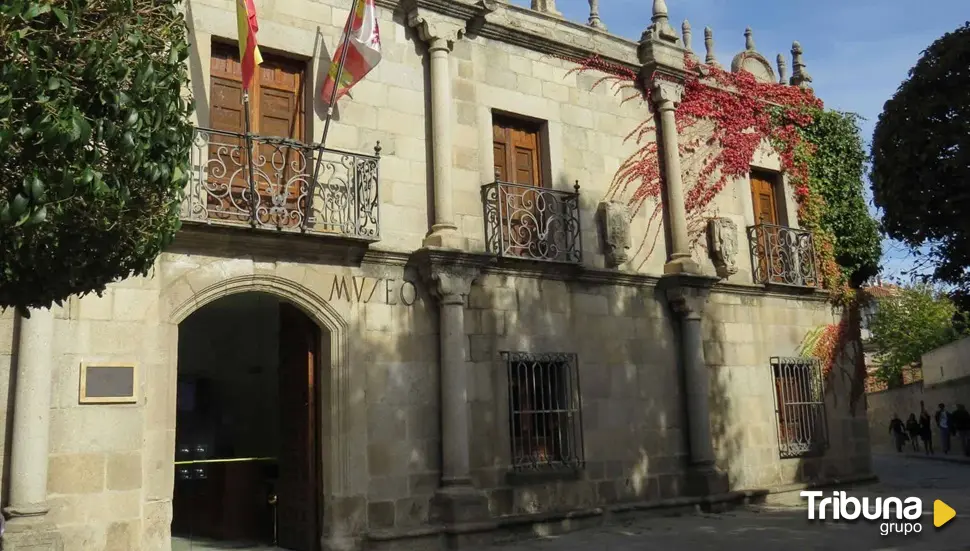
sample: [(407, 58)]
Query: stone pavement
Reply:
[(781, 524)]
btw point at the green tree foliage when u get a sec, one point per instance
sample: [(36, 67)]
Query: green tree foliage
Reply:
[(908, 324), (837, 172), (95, 138), (921, 158)]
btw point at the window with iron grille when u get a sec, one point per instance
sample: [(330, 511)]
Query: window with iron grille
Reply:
[(545, 420), (799, 406)]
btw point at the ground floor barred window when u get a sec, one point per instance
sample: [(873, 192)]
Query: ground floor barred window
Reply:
[(799, 406), (545, 420)]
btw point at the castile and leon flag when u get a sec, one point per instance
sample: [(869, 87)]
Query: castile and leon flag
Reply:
[(362, 42)]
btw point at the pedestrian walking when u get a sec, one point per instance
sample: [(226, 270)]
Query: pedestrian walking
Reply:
[(961, 427), (898, 432), (926, 432), (912, 428), (943, 422)]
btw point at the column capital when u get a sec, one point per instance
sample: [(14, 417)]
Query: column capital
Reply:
[(666, 94), (449, 276), (439, 31), (688, 295)]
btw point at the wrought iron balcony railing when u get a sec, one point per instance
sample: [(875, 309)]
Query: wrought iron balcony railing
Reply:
[(532, 222), (783, 256), (276, 183)]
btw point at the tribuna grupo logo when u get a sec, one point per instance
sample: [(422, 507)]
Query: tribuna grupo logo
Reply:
[(897, 515)]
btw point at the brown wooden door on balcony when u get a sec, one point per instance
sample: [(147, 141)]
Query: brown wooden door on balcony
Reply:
[(515, 145), (765, 203), (276, 110)]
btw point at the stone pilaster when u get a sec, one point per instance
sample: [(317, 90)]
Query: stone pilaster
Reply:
[(441, 33), (27, 527), (688, 296), (450, 278)]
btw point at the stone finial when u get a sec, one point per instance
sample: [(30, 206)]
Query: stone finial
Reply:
[(546, 6), (782, 70), (594, 15), (800, 76), (748, 40), (709, 46), (685, 28), (660, 28)]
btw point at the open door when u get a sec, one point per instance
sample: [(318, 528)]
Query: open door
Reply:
[(298, 484)]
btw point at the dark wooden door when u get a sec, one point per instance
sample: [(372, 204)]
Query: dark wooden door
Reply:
[(298, 487), (515, 146), (771, 260)]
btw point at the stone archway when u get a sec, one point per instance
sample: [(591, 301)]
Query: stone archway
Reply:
[(335, 388)]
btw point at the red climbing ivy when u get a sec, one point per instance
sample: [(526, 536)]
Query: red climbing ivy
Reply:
[(722, 120)]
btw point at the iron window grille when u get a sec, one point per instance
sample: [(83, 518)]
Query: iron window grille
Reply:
[(782, 256), (281, 184), (536, 223), (799, 406), (545, 417)]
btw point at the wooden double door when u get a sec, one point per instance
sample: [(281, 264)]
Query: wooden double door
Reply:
[(224, 498)]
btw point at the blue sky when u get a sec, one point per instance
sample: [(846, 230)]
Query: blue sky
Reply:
[(857, 51)]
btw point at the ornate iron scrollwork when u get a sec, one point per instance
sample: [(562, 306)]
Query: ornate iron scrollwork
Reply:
[(279, 191), (783, 256), (532, 222)]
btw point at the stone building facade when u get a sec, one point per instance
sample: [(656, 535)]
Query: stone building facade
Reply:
[(479, 343)]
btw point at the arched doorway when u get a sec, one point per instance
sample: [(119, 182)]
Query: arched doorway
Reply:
[(247, 451)]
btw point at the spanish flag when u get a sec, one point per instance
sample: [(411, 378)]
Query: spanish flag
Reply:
[(248, 48), (362, 40)]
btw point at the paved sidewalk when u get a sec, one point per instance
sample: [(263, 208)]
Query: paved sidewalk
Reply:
[(953, 456), (783, 525)]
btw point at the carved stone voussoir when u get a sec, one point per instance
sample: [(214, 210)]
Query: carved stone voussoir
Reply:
[(722, 241), (615, 228), (435, 27)]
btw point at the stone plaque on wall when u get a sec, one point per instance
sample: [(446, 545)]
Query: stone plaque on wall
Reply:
[(104, 383)]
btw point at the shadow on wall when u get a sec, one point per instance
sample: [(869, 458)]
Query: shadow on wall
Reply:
[(633, 419)]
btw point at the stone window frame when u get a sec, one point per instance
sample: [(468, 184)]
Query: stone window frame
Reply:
[(798, 390), (561, 426)]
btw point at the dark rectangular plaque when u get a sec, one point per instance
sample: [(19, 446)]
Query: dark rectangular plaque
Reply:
[(108, 384)]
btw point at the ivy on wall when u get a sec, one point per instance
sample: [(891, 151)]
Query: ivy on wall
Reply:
[(722, 120)]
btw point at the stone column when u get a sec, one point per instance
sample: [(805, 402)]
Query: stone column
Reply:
[(30, 444), (687, 298), (666, 95), (441, 33), (456, 499)]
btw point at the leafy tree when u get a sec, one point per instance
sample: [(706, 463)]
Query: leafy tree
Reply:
[(908, 324), (921, 158), (95, 138), (837, 172)]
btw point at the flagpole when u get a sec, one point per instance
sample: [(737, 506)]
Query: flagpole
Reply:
[(253, 200), (333, 98)]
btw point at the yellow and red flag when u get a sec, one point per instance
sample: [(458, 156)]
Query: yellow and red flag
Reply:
[(248, 48), (362, 39)]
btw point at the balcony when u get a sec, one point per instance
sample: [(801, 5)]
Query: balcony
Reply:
[(782, 256), (280, 184), (532, 222)]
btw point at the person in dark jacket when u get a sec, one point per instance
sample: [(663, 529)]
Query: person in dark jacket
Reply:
[(943, 422), (898, 432), (926, 431), (912, 428), (960, 419)]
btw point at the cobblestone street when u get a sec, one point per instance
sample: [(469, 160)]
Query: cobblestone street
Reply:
[(782, 525)]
